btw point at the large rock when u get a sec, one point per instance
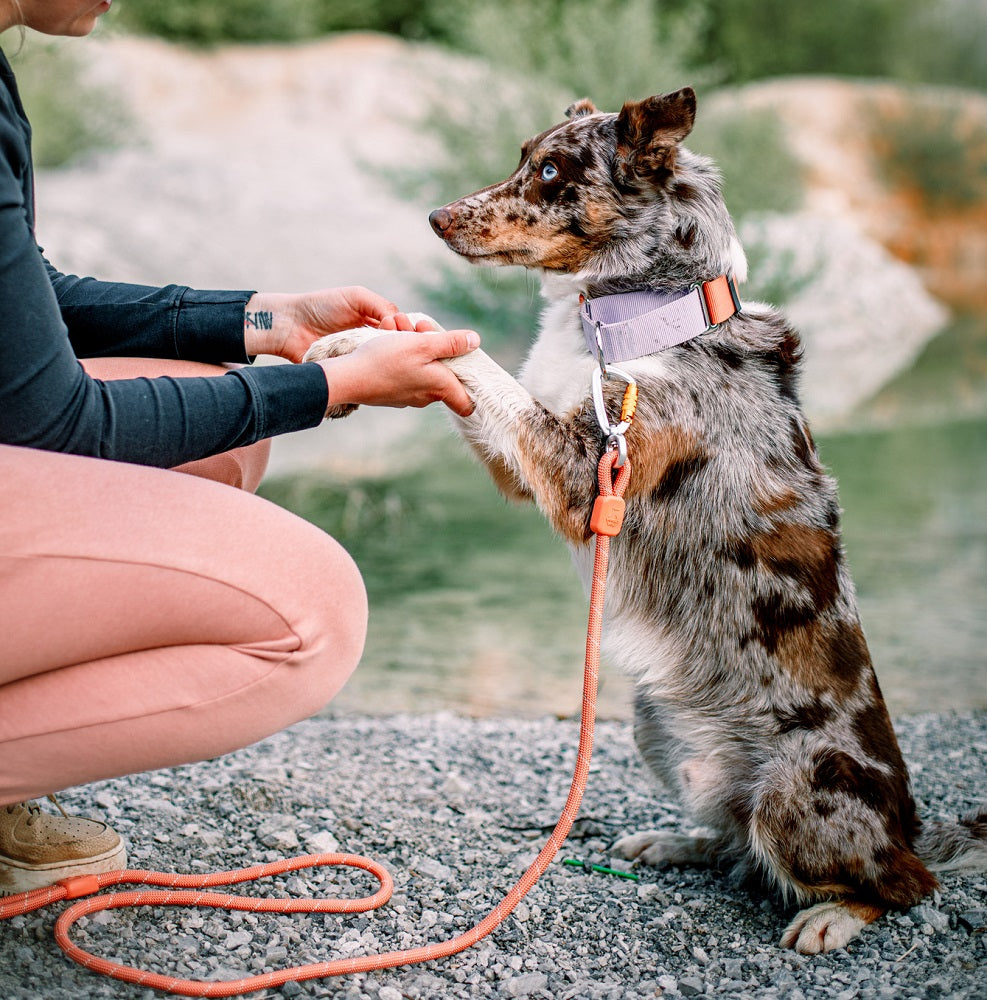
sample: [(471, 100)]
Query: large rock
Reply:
[(862, 314)]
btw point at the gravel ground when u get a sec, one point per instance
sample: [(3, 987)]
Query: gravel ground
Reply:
[(456, 808)]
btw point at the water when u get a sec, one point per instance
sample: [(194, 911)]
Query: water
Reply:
[(476, 608)]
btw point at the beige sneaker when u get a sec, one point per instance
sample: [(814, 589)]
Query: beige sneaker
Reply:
[(38, 849)]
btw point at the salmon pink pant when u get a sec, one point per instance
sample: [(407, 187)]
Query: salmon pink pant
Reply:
[(151, 617)]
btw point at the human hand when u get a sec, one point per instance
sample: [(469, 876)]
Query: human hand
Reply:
[(287, 325), (401, 369)]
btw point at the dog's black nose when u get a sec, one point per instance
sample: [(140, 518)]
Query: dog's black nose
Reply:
[(441, 220)]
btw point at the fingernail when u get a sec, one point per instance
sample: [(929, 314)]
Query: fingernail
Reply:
[(472, 341)]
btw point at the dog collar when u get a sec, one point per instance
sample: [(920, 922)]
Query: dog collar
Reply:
[(630, 325)]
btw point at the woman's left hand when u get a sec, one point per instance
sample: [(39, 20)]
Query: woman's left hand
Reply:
[(287, 325)]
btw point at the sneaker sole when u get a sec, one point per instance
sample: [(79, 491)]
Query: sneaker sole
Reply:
[(17, 877)]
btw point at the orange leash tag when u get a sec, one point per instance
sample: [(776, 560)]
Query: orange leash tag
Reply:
[(608, 515)]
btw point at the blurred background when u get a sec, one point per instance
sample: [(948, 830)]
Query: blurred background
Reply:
[(297, 144)]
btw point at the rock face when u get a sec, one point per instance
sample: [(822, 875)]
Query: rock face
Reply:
[(863, 316), (250, 166)]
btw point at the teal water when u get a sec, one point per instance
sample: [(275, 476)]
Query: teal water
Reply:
[(915, 531), (476, 608)]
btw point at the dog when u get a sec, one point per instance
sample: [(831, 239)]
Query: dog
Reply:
[(729, 604)]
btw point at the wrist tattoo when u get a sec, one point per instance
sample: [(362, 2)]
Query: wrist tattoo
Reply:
[(261, 320)]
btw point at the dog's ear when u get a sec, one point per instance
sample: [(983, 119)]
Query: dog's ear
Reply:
[(584, 106), (648, 133)]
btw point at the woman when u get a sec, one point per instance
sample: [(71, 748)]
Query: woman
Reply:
[(148, 616)]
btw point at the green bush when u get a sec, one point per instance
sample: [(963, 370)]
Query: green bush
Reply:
[(70, 117), (938, 150), (944, 41), (206, 23), (608, 50), (759, 172)]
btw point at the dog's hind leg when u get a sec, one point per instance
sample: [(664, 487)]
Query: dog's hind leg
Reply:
[(830, 925), (836, 831)]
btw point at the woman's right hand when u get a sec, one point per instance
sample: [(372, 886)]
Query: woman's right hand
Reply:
[(402, 369)]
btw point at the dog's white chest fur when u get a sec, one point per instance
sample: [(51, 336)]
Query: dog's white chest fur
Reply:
[(559, 369)]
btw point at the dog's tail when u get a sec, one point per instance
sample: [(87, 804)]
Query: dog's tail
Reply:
[(955, 847)]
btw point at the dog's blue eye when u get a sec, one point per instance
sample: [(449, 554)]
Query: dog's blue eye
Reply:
[(549, 172)]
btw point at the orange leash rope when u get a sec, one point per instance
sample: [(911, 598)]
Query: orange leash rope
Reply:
[(179, 891)]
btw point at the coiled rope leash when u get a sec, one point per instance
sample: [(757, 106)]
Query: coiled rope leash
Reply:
[(182, 890)]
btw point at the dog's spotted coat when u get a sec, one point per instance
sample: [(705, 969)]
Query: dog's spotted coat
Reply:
[(729, 600)]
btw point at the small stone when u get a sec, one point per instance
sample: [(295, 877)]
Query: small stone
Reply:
[(524, 986), (733, 968), (278, 833), (455, 787), (691, 986), (975, 921), (237, 938), (321, 842), (389, 993), (431, 868), (276, 956)]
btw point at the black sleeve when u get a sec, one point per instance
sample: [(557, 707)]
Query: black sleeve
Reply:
[(116, 319), (47, 400)]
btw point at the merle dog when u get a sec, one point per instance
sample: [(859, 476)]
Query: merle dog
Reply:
[(730, 604)]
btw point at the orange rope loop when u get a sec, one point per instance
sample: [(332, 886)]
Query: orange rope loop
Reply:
[(185, 890)]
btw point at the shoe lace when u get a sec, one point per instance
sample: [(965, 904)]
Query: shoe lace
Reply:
[(33, 810)]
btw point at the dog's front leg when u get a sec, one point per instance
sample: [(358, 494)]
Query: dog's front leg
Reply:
[(530, 451), (502, 406), (335, 345)]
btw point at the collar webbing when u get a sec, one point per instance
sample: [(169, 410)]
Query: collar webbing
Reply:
[(630, 325)]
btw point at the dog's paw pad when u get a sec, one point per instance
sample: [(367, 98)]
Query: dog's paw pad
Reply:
[(823, 927)]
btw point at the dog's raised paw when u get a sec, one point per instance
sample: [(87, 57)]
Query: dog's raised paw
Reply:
[(337, 344), (419, 317), (827, 926), (334, 346)]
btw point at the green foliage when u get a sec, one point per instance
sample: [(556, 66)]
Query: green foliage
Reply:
[(759, 172), (607, 50), (207, 23), (478, 133), (754, 39), (572, 41), (502, 303), (944, 41), (939, 150), (773, 275), (70, 117)]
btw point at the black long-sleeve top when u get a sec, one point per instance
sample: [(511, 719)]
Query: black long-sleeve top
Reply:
[(49, 320)]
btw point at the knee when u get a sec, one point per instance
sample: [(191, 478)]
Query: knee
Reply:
[(334, 631)]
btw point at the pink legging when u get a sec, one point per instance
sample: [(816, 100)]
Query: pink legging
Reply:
[(150, 618)]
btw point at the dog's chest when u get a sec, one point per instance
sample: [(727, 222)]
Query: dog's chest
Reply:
[(558, 369)]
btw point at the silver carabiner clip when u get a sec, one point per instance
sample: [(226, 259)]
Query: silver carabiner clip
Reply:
[(614, 432), (619, 442)]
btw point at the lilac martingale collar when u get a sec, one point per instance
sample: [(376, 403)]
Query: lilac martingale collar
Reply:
[(630, 325)]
